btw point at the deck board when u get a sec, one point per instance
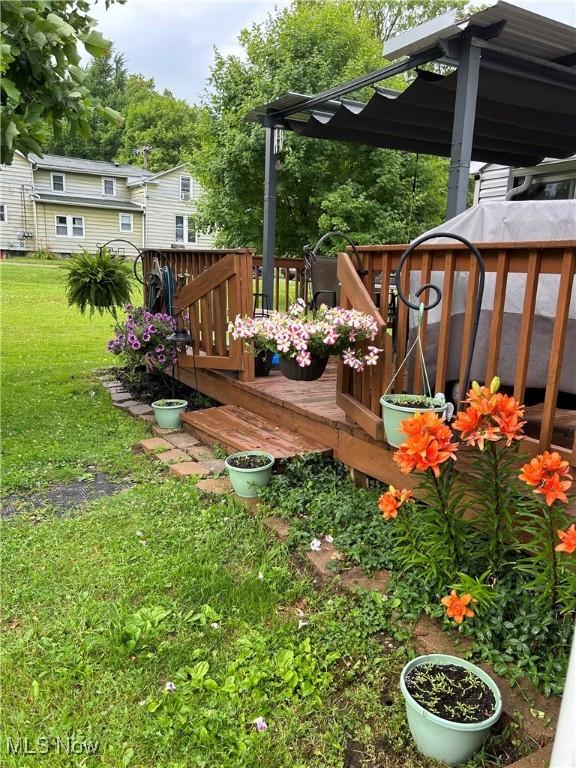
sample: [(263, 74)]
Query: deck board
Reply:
[(236, 429)]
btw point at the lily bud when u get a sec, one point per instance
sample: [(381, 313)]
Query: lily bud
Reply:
[(476, 387), (494, 385)]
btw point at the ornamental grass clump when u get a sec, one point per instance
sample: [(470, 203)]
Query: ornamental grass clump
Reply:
[(293, 335), (141, 340)]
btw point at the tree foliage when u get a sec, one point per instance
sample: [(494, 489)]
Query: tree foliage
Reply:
[(42, 82), (364, 191), (107, 80), (160, 121), (151, 119), (391, 17)]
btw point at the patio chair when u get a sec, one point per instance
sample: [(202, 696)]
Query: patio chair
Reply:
[(321, 272)]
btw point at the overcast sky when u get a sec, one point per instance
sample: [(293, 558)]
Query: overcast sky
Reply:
[(173, 41)]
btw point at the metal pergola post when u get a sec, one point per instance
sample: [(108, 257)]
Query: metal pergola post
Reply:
[(269, 232), (463, 128)]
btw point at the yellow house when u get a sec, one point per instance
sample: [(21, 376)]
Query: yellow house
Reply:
[(64, 204)]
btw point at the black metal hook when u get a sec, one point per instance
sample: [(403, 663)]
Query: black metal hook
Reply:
[(430, 286), (313, 252)]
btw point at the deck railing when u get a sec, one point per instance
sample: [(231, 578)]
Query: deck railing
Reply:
[(206, 305), (530, 347), (290, 280)]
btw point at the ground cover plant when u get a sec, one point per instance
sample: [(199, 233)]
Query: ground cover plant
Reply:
[(508, 581)]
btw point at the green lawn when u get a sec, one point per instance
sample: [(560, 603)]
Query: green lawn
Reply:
[(103, 608), (55, 417)]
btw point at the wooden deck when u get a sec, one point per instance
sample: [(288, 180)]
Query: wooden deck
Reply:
[(300, 408), (235, 429)]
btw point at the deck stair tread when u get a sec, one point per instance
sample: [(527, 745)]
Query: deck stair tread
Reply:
[(236, 429)]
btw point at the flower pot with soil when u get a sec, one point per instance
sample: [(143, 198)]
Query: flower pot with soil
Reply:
[(168, 412), (398, 408), (451, 706), (249, 471), (263, 362), (293, 370)]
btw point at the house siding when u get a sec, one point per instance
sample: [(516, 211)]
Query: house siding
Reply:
[(493, 184), (163, 204), (83, 184), (99, 226), (16, 183), (154, 226)]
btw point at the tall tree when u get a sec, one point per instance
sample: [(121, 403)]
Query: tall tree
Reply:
[(107, 80), (367, 192), (157, 120), (41, 81)]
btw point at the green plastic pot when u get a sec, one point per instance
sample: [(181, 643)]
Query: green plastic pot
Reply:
[(393, 415), (247, 482), (444, 740), (169, 416)]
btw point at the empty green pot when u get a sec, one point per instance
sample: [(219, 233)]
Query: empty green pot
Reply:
[(168, 412), (247, 482), (444, 740)]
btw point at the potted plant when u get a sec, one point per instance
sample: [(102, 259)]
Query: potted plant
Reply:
[(398, 408), (249, 471), (305, 344), (168, 412), (141, 340), (263, 362), (99, 281), (451, 706)]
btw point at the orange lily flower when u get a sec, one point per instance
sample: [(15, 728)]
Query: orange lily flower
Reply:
[(490, 416), (568, 539), (391, 501), (545, 474), (457, 606), (429, 444)]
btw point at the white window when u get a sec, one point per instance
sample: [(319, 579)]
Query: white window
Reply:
[(77, 226), (58, 182), (186, 230), (179, 229), (70, 226), (3, 212), (185, 186), (126, 222), (62, 226), (109, 187)]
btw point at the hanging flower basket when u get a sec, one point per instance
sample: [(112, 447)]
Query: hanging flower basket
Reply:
[(307, 342), (292, 370), (398, 408)]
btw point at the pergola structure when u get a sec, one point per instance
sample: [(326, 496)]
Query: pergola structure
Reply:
[(509, 97)]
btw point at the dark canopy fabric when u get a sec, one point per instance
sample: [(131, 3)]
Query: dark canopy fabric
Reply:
[(519, 121)]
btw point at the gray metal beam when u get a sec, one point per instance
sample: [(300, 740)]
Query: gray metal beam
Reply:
[(463, 128), (425, 57), (269, 230)]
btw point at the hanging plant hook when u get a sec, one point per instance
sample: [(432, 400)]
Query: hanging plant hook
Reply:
[(438, 297)]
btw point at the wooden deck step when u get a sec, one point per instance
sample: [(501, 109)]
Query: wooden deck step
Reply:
[(235, 429)]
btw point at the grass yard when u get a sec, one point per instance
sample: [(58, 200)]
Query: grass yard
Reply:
[(154, 627), (56, 421)]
